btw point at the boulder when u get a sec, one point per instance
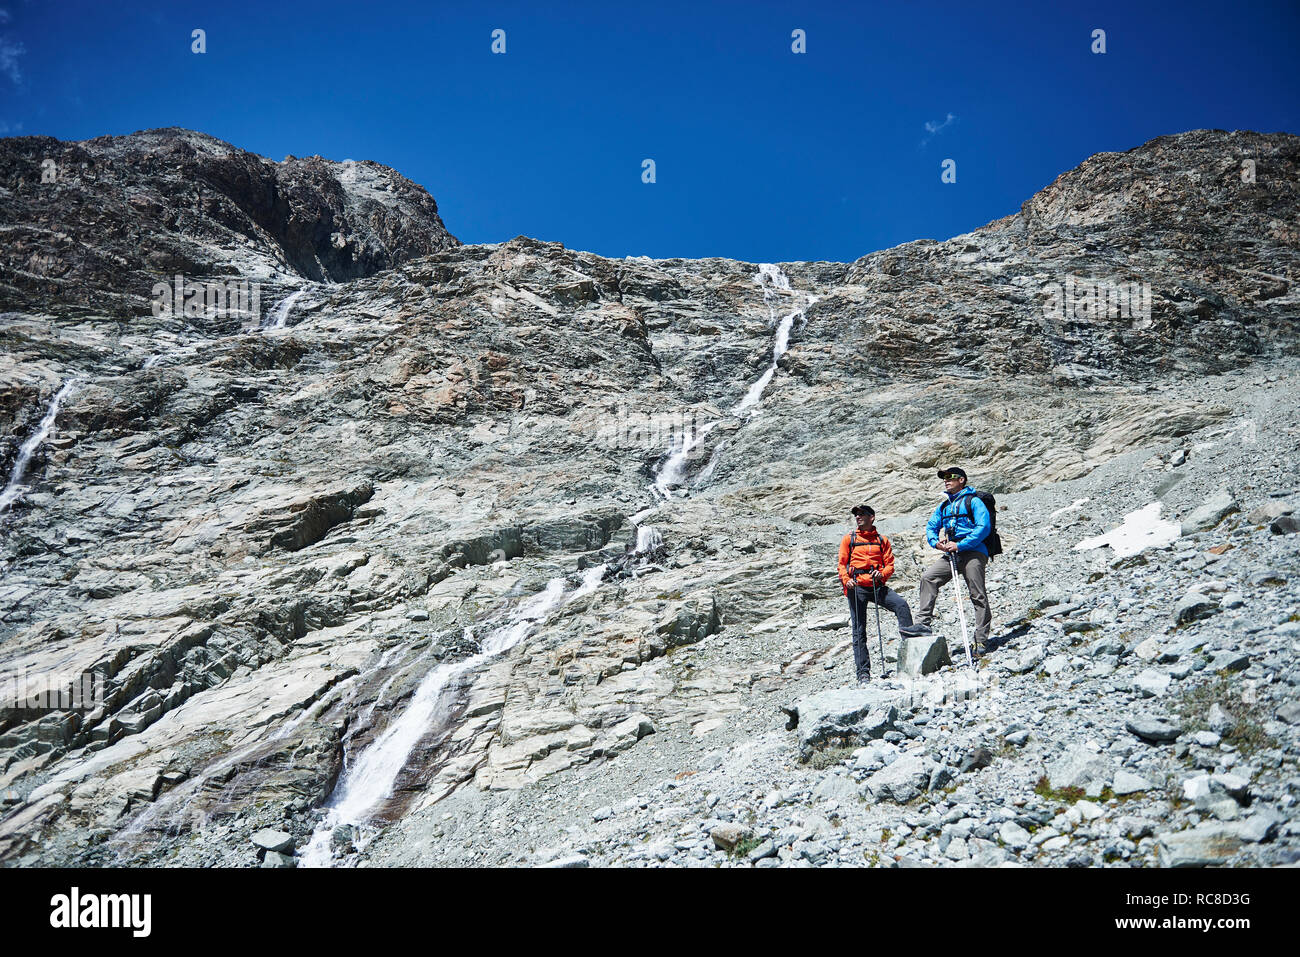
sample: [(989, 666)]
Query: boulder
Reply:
[(1286, 525), (1151, 683), (728, 836), (1200, 846), (902, 781), (1080, 768), (272, 840), (1027, 660), (847, 716), (1013, 835), (922, 655), (978, 758), (1263, 514), (1153, 730), (1194, 607), (1210, 513), (1126, 782)]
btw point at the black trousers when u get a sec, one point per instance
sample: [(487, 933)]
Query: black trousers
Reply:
[(860, 598)]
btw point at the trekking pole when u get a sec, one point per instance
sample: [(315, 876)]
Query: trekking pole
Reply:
[(880, 642), (961, 609)]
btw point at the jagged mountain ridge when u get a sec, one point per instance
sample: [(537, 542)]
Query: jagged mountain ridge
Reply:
[(125, 210), (214, 528)]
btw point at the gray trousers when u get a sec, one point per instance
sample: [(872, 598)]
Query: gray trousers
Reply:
[(971, 565)]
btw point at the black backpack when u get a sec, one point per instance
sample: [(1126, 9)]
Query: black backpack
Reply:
[(994, 542)]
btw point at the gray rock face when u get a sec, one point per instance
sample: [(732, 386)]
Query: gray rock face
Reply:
[(922, 654), (185, 202), (439, 468)]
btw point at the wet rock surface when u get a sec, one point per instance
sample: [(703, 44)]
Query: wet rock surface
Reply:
[(268, 543)]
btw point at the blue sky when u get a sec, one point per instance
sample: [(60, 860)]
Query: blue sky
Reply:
[(761, 154)]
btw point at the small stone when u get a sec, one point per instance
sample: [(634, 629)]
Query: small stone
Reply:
[(1013, 835), (1147, 650), (727, 836), (764, 850), (602, 814), (978, 758), (1286, 525), (1194, 607), (276, 859), (572, 861), (1289, 712), (1197, 788), (1027, 660), (1206, 739), (1152, 683), (1126, 782), (1219, 720)]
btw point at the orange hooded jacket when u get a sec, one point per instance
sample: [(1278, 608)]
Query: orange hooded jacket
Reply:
[(868, 551)]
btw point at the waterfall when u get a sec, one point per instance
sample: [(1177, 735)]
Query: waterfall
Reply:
[(14, 489), (370, 779), (771, 278), (281, 314), (673, 470)]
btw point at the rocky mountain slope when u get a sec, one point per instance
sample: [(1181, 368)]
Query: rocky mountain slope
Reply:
[(513, 553)]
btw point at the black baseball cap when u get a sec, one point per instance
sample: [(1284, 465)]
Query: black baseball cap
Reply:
[(951, 473), (863, 510)]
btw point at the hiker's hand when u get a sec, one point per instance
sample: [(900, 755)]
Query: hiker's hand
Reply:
[(876, 579)]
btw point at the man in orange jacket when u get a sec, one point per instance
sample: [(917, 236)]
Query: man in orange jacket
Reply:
[(866, 563)]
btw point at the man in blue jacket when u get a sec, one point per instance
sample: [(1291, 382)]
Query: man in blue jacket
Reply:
[(958, 526)]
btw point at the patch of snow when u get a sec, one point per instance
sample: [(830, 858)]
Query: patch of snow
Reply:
[(1142, 529)]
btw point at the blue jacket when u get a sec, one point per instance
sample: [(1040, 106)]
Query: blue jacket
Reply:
[(969, 533)]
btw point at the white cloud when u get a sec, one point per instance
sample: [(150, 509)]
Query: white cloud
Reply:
[(934, 127), (10, 51)]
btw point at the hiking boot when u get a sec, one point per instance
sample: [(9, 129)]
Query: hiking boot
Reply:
[(913, 631), (864, 681)]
